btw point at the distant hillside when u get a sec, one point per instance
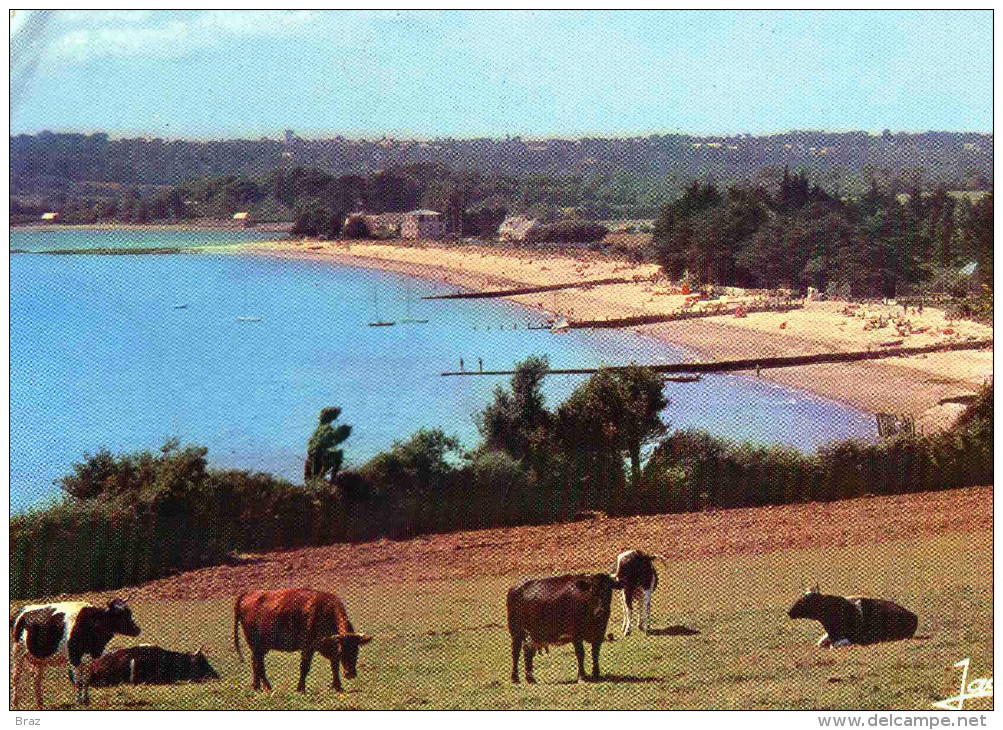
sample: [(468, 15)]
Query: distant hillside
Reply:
[(47, 162)]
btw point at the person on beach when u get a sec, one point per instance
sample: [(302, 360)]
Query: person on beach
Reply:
[(461, 364), (480, 365)]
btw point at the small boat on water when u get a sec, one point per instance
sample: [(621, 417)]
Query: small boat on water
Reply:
[(683, 378), (250, 319), (376, 308), (181, 306), (560, 325)]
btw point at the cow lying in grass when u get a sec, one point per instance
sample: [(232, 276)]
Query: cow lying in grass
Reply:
[(148, 664), (854, 619)]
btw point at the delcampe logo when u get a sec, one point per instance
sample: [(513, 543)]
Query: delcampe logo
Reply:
[(981, 687)]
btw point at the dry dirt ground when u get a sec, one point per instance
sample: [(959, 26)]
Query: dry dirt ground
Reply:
[(590, 545)]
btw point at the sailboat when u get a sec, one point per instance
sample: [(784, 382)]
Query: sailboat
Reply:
[(376, 308), (408, 319)]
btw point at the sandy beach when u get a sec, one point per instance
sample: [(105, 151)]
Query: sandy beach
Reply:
[(917, 386)]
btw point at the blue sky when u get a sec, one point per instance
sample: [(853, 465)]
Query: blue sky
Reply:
[(463, 74)]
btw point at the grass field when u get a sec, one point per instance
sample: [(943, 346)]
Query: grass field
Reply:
[(443, 643)]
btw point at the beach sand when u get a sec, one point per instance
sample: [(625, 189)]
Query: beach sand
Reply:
[(916, 386)]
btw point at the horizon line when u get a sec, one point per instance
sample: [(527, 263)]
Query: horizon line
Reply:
[(362, 136)]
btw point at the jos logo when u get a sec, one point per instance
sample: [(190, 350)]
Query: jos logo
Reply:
[(968, 691)]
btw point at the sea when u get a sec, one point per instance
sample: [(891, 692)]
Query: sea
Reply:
[(240, 352)]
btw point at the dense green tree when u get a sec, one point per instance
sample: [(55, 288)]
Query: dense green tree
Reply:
[(512, 422), (323, 453), (614, 412)]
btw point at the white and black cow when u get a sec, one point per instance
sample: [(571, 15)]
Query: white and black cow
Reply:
[(58, 634), (635, 570)]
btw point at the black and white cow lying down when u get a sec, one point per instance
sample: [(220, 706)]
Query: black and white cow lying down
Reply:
[(855, 619), (635, 570), (58, 634)]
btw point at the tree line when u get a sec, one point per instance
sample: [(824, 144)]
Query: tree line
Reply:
[(129, 518), (799, 236)]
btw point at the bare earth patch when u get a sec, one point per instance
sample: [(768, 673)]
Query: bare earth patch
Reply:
[(589, 544)]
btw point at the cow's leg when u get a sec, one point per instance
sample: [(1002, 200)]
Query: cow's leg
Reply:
[(335, 672), (628, 599), (37, 677), (645, 612), (260, 678), (823, 642), (596, 645), (255, 675), (580, 656), (20, 662), (516, 648), (83, 675), (529, 651), (305, 659)]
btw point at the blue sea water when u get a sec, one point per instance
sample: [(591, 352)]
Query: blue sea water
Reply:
[(101, 354)]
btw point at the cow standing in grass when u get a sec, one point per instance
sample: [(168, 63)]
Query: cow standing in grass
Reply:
[(57, 634), (635, 569), (560, 610), (297, 619), (854, 619)]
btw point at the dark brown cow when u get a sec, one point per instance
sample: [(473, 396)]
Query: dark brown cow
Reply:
[(559, 610), (57, 634), (148, 664), (855, 619), (297, 619)]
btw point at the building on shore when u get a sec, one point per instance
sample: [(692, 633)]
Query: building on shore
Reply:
[(244, 218), (422, 224), (377, 225), (517, 227), (50, 217)]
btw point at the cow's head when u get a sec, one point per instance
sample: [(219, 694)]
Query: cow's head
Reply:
[(600, 588), (345, 647), (200, 668), (808, 606), (120, 618)]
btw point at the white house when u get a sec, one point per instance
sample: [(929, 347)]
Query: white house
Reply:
[(423, 224)]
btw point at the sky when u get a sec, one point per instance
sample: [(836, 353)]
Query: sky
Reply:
[(417, 74)]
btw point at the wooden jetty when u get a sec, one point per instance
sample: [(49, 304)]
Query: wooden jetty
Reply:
[(765, 363), (531, 289), (720, 311)]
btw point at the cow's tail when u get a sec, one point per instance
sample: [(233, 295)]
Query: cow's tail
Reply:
[(236, 625), (17, 625)]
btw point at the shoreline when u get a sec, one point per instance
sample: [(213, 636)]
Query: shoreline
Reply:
[(915, 386)]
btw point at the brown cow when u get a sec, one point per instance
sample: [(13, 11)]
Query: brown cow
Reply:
[(297, 619), (560, 610)]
